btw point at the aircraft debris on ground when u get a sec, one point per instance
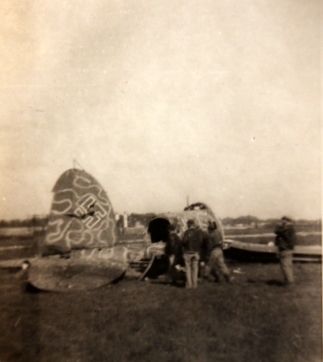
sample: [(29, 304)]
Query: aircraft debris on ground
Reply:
[(82, 249)]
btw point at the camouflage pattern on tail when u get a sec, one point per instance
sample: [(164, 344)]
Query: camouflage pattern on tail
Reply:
[(81, 215), (80, 250)]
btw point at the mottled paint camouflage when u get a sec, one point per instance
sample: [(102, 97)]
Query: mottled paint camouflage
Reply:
[(81, 214), (82, 270), (202, 217), (82, 233)]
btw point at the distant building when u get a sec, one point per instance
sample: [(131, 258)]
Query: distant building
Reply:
[(125, 220)]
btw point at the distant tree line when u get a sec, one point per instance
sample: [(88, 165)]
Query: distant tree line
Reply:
[(33, 221), (245, 221), (254, 222), (143, 219), (241, 220), (42, 221)]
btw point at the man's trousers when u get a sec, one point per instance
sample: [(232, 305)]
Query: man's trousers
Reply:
[(286, 264), (191, 267)]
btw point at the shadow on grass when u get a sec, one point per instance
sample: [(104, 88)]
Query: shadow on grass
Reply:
[(20, 318), (29, 288), (176, 284), (273, 282), (277, 283), (30, 322)]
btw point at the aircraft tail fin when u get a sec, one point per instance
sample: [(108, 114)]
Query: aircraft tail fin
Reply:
[(81, 215)]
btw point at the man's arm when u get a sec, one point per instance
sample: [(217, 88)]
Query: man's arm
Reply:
[(290, 237), (279, 231)]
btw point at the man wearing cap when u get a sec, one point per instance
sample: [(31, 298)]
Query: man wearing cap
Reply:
[(215, 259), (191, 245), (285, 242)]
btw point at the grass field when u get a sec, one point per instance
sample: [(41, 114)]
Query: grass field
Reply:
[(254, 319)]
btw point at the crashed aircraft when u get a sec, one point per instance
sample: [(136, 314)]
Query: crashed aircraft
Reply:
[(82, 249)]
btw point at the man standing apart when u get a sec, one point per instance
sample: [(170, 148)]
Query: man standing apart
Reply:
[(285, 242), (191, 244), (215, 257)]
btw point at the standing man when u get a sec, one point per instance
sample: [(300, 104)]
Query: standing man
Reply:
[(191, 244), (214, 256), (173, 251), (285, 242)]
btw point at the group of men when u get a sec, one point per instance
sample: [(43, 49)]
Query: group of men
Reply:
[(201, 251)]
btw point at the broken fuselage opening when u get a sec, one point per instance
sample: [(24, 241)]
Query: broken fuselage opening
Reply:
[(158, 229), (159, 234)]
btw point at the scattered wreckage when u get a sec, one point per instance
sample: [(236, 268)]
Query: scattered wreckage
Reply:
[(82, 249)]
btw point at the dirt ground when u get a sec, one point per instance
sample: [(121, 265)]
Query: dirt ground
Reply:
[(253, 319)]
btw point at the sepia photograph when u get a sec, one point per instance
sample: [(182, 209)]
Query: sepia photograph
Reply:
[(161, 185)]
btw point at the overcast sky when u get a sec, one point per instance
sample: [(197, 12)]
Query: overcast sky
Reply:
[(218, 100)]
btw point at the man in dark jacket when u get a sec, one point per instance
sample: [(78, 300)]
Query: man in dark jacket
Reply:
[(214, 256), (191, 245), (285, 242), (173, 251)]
